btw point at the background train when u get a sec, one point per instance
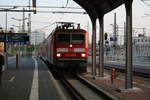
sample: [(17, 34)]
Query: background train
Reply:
[(66, 47)]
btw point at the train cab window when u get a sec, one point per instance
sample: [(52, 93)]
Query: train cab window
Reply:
[(138, 40), (70, 38), (63, 38), (77, 38)]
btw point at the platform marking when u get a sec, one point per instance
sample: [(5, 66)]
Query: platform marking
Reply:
[(12, 78), (34, 94), (63, 97)]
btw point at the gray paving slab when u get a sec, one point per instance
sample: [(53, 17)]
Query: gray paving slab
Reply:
[(16, 83), (47, 89)]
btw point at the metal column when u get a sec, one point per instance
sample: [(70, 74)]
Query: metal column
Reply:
[(115, 33), (124, 33), (23, 21), (29, 27), (101, 48), (29, 32), (94, 47), (129, 65), (5, 44)]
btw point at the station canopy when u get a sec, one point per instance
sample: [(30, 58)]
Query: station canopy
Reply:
[(97, 7)]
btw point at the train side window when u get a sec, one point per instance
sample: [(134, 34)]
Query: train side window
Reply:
[(135, 40), (142, 40)]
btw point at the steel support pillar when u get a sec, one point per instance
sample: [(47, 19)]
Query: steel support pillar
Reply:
[(5, 45), (94, 47), (101, 48), (5, 53), (124, 34), (115, 33), (129, 65), (23, 21)]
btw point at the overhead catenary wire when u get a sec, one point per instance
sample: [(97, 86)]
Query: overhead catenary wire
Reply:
[(144, 1), (39, 22), (43, 7), (54, 12)]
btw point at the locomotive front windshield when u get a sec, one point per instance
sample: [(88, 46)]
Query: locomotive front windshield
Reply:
[(70, 38), (63, 38)]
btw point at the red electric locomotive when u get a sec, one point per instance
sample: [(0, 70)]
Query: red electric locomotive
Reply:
[(67, 47)]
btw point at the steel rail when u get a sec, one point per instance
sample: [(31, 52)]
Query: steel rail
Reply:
[(63, 7), (72, 90), (96, 89)]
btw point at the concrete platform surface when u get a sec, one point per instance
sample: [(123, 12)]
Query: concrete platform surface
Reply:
[(31, 81), (140, 90)]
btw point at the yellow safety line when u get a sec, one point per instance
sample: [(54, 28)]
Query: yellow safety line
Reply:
[(12, 78)]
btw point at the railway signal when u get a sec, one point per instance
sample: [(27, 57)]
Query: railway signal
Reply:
[(106, 36)]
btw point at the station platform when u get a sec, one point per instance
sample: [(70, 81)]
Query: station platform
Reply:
[(140, 90), (31, 81), (24, 83)]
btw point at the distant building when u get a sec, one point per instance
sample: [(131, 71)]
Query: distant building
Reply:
[(141, 46), (37, 37)]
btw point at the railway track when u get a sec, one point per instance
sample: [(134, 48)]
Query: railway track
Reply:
[(136, 73), (121, 68), (80, 89), (71, 89)]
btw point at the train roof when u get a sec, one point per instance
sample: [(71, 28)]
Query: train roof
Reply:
[(66, 27), (70, 30)]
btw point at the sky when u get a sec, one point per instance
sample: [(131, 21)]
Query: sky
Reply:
[(41, 20)]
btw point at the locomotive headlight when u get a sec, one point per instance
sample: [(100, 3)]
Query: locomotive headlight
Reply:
[(83, 55), (70, 45), (58, 55)]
